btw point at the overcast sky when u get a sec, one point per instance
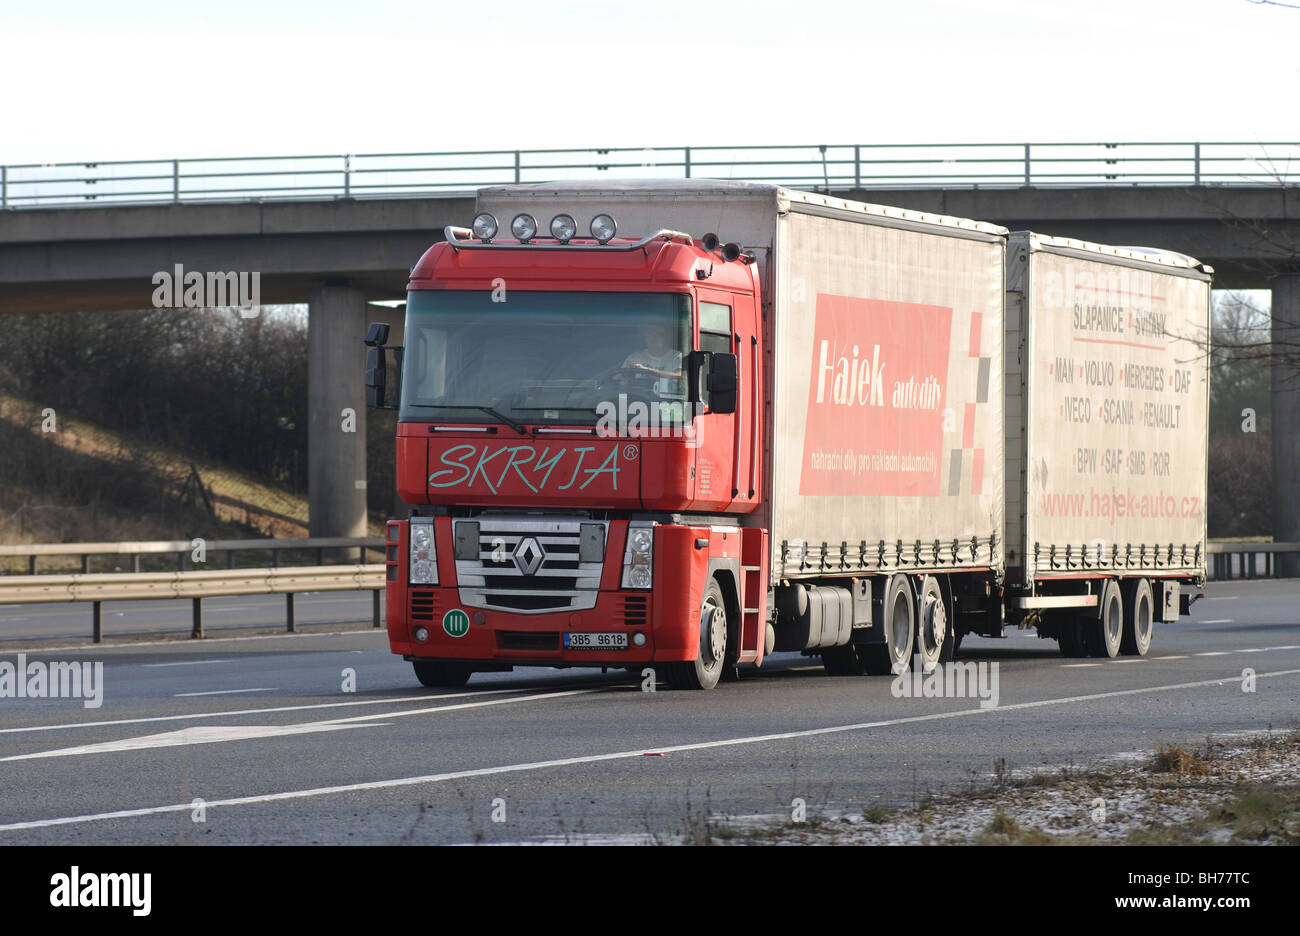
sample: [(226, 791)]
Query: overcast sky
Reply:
[(142, 79)]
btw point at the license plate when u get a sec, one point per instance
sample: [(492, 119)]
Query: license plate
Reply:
[(603, 640)]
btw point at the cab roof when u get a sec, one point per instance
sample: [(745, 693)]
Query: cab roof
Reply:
[(663, 263)]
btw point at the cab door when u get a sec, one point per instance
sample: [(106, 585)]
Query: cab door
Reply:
[(718, 444)]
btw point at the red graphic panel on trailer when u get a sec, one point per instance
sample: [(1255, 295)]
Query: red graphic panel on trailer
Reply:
[(876, 399)]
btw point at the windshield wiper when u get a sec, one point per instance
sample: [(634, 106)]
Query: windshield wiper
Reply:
[(564, 406), (486, 409)]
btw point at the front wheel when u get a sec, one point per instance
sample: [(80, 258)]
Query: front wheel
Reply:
[(441, 675), (711, 660)]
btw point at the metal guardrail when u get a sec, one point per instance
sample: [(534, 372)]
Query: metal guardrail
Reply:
[(185, 549), (818, 166), (101, 587), (1238, 560)]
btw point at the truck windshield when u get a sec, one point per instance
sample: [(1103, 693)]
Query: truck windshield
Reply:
[(540, 357)]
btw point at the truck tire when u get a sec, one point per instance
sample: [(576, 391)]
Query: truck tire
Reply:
[(1071, 635), (934, 632), (1139, 618), (899, 623), (842, 661), (445, 675), (705, 670), (1107, 631)]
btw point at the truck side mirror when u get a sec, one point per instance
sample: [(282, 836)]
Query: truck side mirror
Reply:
[(723, 382), (377, 366), (376, 378)]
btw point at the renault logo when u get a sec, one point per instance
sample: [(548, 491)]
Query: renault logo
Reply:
[(528, 555)]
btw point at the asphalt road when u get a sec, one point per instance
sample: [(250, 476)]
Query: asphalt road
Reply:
[(266, 734)]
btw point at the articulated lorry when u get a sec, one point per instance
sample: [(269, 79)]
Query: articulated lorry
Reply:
[(765, 420)]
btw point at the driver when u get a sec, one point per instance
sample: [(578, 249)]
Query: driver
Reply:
[(659, 359)]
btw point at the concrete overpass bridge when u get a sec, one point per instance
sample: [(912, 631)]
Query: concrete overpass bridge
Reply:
[(87, 238)]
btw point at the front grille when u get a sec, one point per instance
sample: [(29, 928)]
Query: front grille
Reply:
[(528, 640), (559, 581), (506, 583)]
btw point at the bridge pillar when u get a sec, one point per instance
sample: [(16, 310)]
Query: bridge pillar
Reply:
[(336, 411), (1285, 379)]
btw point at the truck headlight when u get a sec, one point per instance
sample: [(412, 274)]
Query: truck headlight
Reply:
[(639, 557), (563, 227), (424, 558), (484, 226), (603, 228), (524, 227)]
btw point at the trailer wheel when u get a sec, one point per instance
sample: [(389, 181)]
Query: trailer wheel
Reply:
[(1139, 618), (705, 670), (934, 632), (1071, 635), (1107, 632), (446, 675), (895, 654)]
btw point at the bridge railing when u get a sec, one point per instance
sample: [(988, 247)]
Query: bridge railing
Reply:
[(816, 166)]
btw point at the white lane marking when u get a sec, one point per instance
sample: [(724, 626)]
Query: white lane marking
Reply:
[(465, 705), (207, 734), (1212, 653), (1077, 665), (257, 711), (1134, 660), (1215, 621), (189, 663), (1287, 647), (186, 695), (612, 756), (1177, 656), (1251, 650)]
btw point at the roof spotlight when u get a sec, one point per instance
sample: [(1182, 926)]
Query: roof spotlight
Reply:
[(524, 227), (731, 252), (603, 228), (563, 227), (710, 242), (484, 226)]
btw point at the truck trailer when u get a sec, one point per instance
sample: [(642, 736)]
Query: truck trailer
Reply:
[(768, 420), (1107, 406)]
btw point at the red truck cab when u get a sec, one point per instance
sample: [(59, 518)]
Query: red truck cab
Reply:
[(580, 443)]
